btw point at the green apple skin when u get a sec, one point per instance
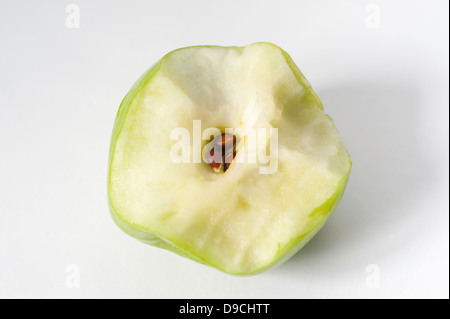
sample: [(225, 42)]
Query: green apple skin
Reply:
[(322, 213)]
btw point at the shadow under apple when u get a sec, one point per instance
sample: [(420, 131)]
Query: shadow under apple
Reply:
[(378, 123)]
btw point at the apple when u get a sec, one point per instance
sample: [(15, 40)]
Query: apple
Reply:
[(224, 155)]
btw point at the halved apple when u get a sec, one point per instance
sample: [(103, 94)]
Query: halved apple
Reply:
[(236, 217)]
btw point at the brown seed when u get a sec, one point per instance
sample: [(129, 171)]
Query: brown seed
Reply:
[(215, 163), (226, 143), (228, 159), (225, 140)]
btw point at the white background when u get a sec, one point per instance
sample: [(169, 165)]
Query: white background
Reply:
[(381, 69)]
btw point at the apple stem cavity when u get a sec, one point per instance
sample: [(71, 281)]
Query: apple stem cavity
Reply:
[(223, 153)]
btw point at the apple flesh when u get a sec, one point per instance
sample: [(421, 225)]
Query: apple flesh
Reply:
[(239, 220)]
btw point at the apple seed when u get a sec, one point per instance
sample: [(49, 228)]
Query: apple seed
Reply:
[(227, 143)]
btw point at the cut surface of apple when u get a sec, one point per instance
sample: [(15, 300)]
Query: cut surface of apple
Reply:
[(242, 220)]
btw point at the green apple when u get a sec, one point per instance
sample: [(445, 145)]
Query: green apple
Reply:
[(241, 202)]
